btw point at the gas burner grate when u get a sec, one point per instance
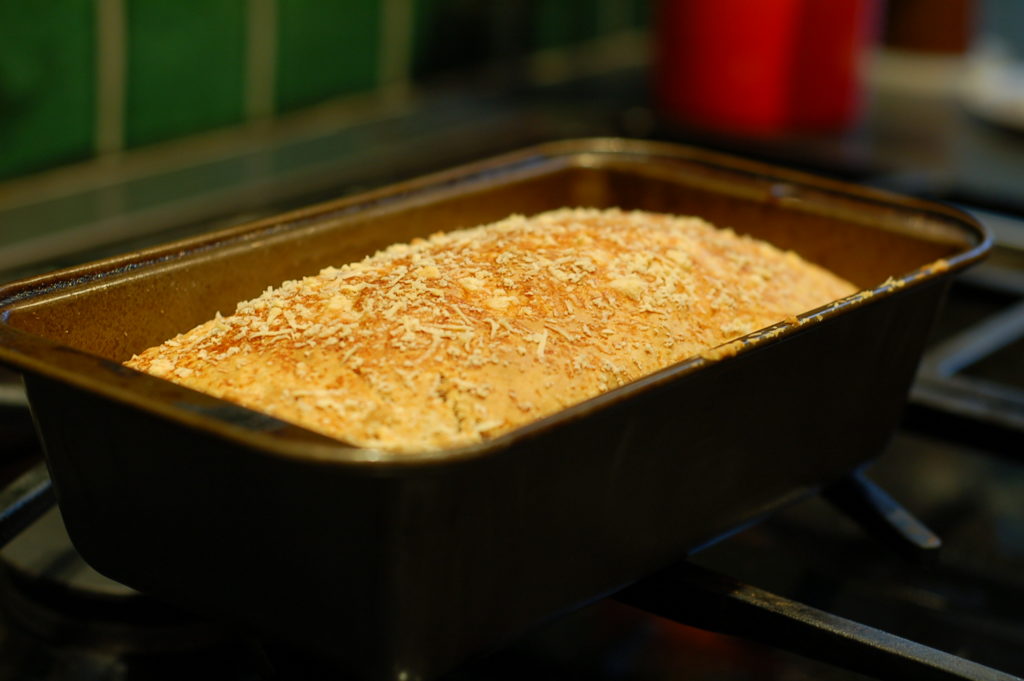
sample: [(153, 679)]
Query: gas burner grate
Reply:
[(970, 386)]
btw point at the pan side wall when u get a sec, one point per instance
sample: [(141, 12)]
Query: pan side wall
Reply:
[(283, 546)]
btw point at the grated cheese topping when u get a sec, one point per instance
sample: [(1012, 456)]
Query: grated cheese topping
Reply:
[(466, 335)]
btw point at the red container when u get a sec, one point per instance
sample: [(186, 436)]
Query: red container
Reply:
[(762, 66)]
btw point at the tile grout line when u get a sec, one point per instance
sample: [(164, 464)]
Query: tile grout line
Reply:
[(394, 51), (260, 58), (111, 46)]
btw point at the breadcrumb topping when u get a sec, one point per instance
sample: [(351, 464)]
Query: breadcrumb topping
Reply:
[(453, 339)]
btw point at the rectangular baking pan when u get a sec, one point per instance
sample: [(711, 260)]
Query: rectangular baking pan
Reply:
[(401, 567)]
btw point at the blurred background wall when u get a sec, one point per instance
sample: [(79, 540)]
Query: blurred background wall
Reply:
[(82, 78), (126, 118)]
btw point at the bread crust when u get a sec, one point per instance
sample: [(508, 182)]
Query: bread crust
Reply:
[(466, 335)]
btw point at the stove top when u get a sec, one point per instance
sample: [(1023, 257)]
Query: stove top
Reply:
[(957, 468), (956, 464)]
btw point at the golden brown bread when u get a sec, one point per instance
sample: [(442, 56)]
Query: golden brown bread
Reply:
[(467, 335)]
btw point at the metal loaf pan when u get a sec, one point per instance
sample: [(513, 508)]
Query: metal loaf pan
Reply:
[(403, 566)]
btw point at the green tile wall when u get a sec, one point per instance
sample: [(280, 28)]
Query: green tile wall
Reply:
[(47, 83), (561, 22), (641, 13), (325, 48), (185, 67), (449, 35), (185, 60), (455, 34)]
